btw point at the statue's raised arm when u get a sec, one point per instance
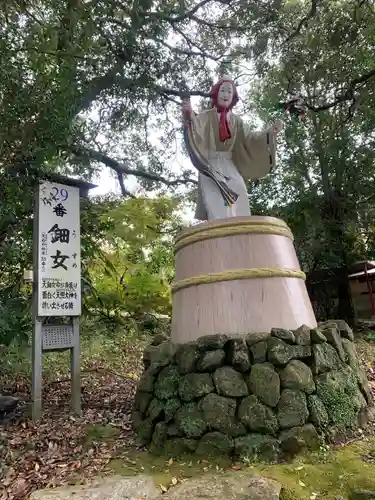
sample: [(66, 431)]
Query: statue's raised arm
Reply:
[(226, 153)]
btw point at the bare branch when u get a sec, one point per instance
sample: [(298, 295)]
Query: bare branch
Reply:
[(124, 169)]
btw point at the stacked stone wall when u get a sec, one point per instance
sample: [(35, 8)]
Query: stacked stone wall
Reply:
[(260, 396)]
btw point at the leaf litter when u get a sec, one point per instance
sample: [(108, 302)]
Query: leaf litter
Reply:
[(60, 449)]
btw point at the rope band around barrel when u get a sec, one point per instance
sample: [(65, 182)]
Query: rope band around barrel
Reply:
[(230, 231), (237, 274), (220, 224)]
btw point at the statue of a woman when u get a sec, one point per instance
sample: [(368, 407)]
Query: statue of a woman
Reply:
[(226, 154)]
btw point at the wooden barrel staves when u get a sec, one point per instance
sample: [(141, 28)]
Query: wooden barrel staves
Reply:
[(236, 276)]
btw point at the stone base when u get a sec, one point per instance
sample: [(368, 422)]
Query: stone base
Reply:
[(259, 396)]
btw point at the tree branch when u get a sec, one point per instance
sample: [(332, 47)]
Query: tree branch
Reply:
[(348, 95), (124, 191), (111, 78), (187, 15), (124, 169), (223, 27), (186, 52), (188, 40), (304, 21), (181, 93)]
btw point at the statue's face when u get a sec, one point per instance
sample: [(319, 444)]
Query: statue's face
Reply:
[(225, 94)]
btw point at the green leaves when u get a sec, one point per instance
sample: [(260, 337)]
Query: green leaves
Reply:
[(15, 315), (133, 273), (327, 164)]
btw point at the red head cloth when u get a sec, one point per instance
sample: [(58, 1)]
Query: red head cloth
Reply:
[(224, 130)]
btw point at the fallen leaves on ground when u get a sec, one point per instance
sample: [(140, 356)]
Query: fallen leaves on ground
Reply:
[(58, 450)]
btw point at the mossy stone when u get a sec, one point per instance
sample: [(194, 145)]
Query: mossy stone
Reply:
[(167, 383), (142, 401), (187, 356), (333, 337), (355, 365), (317, 336), (220, 414), (303, 335), (209, 342), (190, 420), (292, 409), (342, 327), (253, 338), (143, 428), (147, 381), (295, 439), (264, 382), (210, 360), (195, 385), (155, 409), (159, 436), (178, 447), (229, 382), (301, 351), (215, 444), (238, 354), (283, 334), (257, 417), (278, 351), (257, 447), (338, 392), (325, 358), (156, 357), (297, 375), (170, 408), (258, 352), (159, 338), (174, 430), (318, 413)]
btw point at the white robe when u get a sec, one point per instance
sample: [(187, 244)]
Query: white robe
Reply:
[(247, 155), (212, 205)]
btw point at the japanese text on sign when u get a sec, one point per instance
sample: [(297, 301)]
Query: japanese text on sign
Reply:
[(59, 251)]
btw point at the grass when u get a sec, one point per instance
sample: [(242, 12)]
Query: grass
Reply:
[(118, 350)]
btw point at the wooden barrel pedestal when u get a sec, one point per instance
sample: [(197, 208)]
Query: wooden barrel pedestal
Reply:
[(236, 276)]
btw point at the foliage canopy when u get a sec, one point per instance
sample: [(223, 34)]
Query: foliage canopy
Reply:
[(92, 83)]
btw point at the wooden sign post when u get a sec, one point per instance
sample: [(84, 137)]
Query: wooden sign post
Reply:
[(56, 283)]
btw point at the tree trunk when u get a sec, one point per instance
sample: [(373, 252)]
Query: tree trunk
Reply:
[(334, 217), (345, 309)]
